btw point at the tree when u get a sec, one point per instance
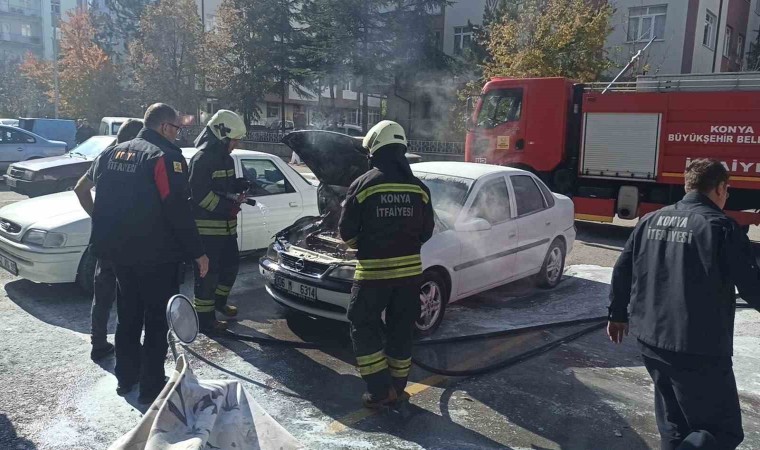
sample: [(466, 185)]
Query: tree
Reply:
[(167, 58), (551, 38), (20, 96), (260, 47), (88, 84)]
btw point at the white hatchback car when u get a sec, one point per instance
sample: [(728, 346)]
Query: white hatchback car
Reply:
[(494, 225), (45, 239)]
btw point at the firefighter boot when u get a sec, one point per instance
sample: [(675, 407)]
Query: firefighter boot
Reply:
[(228, 310), (373, 402)]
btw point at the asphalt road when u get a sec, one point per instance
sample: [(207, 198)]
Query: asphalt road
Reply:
[(587, 394)]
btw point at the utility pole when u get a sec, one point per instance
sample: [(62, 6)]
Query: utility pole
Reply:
[(55, 64)]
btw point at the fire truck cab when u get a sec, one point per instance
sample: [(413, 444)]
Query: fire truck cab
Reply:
[(623, 152)]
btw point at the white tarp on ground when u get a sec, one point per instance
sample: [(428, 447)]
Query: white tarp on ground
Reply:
[(190, 414)]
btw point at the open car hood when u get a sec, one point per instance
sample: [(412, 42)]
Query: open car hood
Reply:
[(335, 159)]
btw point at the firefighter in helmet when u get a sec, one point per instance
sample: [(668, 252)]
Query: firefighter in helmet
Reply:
[(387, 216), (216, 197)]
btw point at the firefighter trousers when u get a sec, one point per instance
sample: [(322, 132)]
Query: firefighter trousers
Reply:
[(141, 298), (384, 350), (212, 291)]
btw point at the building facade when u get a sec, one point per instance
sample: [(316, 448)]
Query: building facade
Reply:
[(692, 36), (26, 26)]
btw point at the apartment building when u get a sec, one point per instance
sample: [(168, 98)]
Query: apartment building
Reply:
[(692, 36), (26, 26)]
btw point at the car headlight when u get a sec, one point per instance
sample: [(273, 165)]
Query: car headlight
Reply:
[(272, 253), (343, 272), (44, 238), (28, 175)]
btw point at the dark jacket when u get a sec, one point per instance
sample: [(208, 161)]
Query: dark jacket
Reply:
[(387, 216), (142, 215), (212, 174), (678, 271)]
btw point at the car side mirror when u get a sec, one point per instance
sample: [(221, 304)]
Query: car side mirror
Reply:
[(476, 224)]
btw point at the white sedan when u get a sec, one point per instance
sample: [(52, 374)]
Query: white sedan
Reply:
[(494, 225), (45, 239)]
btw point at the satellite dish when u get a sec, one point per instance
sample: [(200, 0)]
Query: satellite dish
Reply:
[(182, 319)]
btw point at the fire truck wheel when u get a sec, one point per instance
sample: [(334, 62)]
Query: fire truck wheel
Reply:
[(554, 266)]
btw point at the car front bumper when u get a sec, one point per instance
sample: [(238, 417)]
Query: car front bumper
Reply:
[(333, 296), (31, 188), (59, 265)]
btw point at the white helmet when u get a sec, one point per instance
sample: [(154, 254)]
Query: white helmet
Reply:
[(226, 124), (384, 133)]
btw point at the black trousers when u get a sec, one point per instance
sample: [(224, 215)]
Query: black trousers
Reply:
[(141, 299), (384, 350), (693, 394), (102, 300), (212, 291)]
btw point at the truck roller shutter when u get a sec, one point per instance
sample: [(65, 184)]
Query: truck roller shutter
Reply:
[(621, 145)]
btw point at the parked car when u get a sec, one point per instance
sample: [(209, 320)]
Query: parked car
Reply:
[(57, 173), (45, 239), (9, 122), (494, 225), (52, 129), (20, 145), (109, 126), (351, 130)]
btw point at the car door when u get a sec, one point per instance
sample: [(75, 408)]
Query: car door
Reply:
[(534, 223), (13, 146), (487, 257), (278, 203)]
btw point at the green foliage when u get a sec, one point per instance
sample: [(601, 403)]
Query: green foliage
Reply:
[(168, 57)]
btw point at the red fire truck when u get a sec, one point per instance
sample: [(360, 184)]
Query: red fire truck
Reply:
[(623, 152)]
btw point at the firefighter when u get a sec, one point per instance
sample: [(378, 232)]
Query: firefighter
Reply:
[(142, 223), (387, 216), (216, 197), (678, 271)]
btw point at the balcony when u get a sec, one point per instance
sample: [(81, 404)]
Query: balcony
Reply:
[(20, 39)]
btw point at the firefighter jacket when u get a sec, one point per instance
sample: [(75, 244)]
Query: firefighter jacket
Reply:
[(212, 176), (678, 271), (387, 216), (142, 214)]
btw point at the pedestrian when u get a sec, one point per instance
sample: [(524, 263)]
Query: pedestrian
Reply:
[(104, 283), (678, 271), (216, 197), (142, 222), (78, 136), (387, 216)]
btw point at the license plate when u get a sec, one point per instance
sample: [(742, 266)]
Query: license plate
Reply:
[(295, 288), (481, 160), (10, 181), (8, 265)]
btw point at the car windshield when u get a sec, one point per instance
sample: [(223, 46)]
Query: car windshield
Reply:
[(448, 194), (92, 147), (115, 128)]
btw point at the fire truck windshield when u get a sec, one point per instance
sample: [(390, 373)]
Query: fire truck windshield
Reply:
[(499, 106)]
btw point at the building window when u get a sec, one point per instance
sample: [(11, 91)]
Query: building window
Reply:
[(757, 8), (708, 38), (26, 30), (462, 39), (273, 110), (740, 50), (727, 42), (55, 8), (645, 22), (373, 117), (346, 86)]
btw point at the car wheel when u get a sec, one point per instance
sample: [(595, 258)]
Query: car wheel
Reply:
[(86, 273), (554, 264), (434, 294)]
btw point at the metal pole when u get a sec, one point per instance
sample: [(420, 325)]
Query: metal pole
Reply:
[(717, 34), (630, 63), (55, 68)]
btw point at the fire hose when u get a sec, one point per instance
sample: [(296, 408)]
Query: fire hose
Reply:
[(595, 323)]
